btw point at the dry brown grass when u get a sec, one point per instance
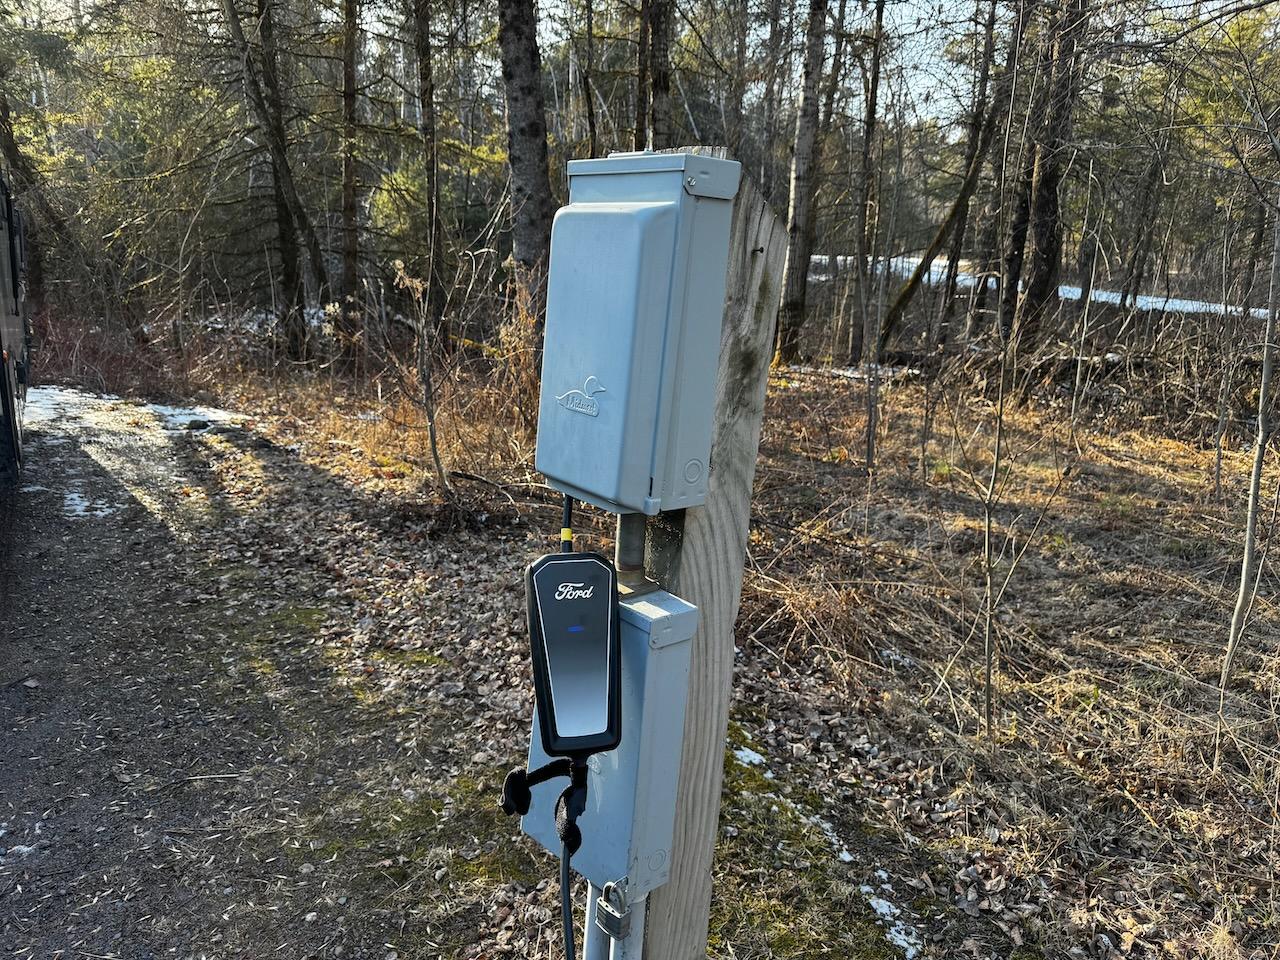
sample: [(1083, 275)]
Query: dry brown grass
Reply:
[(1118, 578), (1117, 573)]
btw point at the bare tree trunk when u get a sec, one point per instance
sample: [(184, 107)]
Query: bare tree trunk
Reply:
[(872, 368), (980, 121), (835, 283), (1144, 220), (1019, 225), (862, 224), (1046, 207), (800, 211), (586, 69), (956, 250), (641, 141), (435, 306), (294, 321), (834, 76), (350, 227), (277, 149), (1249, 562), (981, 134), (426, 379), (800, 242), (1227, 347), (531, 204), (1087, 266), (661, 14), (1014, 257), (773, 56), (735, 132), (986, 262), (990, 495)]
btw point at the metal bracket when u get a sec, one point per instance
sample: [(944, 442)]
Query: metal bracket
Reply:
[(633, 583)]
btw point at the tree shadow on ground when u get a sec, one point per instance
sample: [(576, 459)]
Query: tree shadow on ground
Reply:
[(207, 752)]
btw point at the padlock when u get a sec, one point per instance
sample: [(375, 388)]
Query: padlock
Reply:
[(612, 914)]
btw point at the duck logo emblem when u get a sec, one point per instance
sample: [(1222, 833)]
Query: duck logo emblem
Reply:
[(583, 401)]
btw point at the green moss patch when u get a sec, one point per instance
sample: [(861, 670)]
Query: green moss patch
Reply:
[(780, 890)]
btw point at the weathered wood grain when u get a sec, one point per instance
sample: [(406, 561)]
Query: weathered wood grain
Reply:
[(699, 554)]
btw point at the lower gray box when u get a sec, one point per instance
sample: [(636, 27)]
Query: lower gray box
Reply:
[(631, 791)]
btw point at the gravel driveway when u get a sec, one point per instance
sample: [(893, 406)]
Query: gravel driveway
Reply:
[(207, 753)]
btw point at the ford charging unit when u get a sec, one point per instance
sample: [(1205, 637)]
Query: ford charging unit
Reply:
[(635, 300)]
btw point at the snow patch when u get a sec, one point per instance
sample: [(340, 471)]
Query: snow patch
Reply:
[(882, 371), (889, 655), (748, 757), (46, 405), (820, 272), (897, 931), (180, 418), (66, 405), (77, 506)]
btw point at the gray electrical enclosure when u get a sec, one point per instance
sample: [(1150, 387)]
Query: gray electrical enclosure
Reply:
[(631, 791), (635, 297)]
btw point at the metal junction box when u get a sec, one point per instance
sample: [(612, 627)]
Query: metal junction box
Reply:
[(631, 791), (635, 297)]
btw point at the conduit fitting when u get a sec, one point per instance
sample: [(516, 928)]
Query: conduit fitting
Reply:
[(628, 555)]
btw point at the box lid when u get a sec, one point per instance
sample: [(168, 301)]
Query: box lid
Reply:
[(704, 176)]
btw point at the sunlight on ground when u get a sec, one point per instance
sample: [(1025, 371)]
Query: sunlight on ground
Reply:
[(133, 444)]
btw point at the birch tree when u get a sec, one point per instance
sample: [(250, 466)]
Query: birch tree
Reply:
[(800, 208)]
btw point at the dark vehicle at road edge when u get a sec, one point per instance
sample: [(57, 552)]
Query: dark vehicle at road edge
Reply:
[(15, 335)]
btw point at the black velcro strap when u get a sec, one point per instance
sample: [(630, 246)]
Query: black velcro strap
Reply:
[(566, 827), (517, 795), (556, 768), (570, 806)]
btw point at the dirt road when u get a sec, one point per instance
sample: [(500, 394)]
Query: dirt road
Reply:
[(196, 762)]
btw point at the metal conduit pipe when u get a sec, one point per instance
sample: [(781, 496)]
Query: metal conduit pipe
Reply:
[(628, 550)]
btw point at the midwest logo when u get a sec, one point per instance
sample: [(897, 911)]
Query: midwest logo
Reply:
[(583, 401), (574, 591)]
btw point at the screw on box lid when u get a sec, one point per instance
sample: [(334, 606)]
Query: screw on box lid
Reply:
[(705, 176)]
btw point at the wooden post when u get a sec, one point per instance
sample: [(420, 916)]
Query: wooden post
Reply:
[(698, 554)]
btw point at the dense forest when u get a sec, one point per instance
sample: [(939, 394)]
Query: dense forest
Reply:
[(259, 166), (1008, 632)]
